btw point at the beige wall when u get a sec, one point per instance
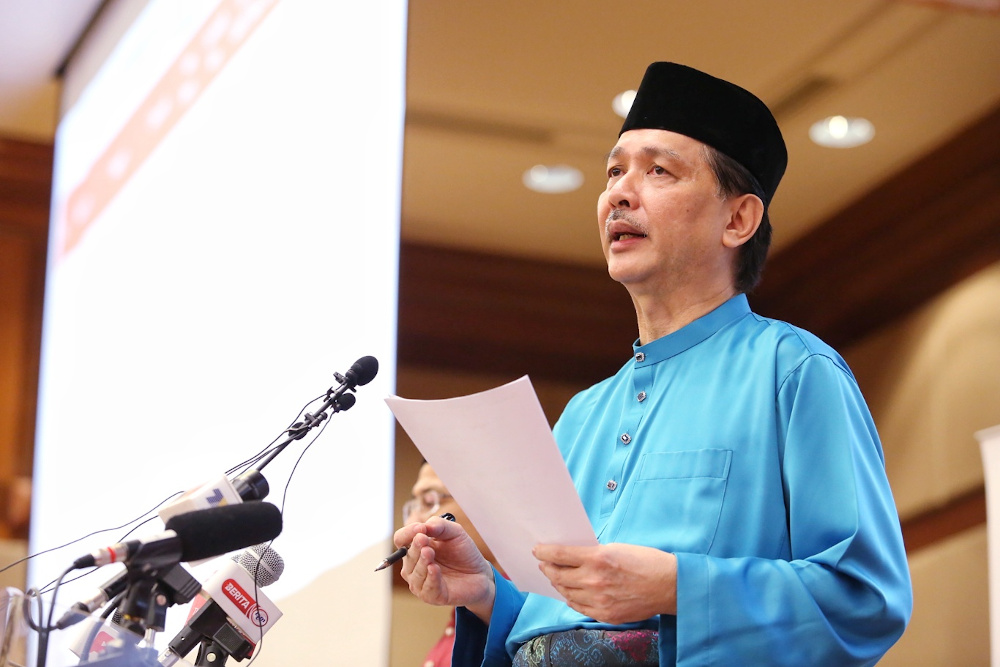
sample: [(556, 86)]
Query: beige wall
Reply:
[(12, 551), (950, 623), (416, 627), (932, 381)]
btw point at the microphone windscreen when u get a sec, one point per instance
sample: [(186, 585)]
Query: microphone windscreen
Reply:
[(346, 401), (219, 530), (363, 371)]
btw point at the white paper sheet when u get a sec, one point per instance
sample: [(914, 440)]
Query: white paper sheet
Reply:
[(495, 452)]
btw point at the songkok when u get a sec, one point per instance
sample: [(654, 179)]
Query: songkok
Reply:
[(715, 112)]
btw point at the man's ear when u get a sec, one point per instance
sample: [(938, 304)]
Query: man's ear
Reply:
[(746, 212)]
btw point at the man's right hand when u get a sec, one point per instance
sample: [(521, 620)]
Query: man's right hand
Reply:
[(443, 566)]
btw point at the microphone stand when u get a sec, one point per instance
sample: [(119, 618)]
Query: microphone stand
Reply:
[(337, 399), (155, 581), (210, 629), (213, 653)]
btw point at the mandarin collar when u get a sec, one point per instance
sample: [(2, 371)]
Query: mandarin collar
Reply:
[(691, 334)]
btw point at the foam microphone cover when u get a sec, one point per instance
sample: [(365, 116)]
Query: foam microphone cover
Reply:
[(362, 371), (219, 530)]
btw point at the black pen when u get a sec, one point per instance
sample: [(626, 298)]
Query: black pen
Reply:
[(401, 551)]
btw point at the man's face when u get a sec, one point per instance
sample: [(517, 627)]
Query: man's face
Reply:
[(661, 218), (432, 499)]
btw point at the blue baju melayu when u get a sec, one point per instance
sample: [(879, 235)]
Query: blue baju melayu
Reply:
[(742, 445)]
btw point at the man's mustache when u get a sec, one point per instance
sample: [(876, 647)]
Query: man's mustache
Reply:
[(624, 216)]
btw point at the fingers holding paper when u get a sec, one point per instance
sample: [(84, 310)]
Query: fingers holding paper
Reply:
[(612, 583), (443, 566)]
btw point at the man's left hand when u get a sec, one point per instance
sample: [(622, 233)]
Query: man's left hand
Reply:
[(612, 583)]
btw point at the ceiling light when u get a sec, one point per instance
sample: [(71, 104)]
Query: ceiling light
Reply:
[(842, 132), (553, 179), (623, 102)]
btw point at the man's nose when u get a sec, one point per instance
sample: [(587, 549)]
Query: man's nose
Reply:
[(622, 193)]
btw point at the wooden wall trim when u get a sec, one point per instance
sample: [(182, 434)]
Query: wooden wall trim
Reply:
[(958, 514)]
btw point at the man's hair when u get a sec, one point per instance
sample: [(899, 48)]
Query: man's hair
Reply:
[(734, 180)]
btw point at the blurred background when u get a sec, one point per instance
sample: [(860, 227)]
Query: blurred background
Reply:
[(889, 250)]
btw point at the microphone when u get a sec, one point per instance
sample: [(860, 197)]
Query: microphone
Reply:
[(345, 402), (360, 373), (262, 562), (230, 614), (339, 399), (250, 486), (195, 536)]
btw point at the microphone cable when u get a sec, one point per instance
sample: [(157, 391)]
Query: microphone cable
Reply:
[(44, 626), (284, 498), (141, 522), (247, 464)]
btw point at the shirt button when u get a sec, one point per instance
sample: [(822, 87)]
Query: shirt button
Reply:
[(641, 356), (641, 396), (626, 438), (429, 663), (612, 485)]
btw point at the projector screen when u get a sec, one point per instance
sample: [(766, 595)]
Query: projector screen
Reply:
[(224, 239)]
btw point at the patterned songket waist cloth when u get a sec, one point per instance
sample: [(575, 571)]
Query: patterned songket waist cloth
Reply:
[(591, 648)]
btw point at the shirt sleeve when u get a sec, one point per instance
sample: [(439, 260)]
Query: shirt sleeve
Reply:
[(844, 597), (475, 643)]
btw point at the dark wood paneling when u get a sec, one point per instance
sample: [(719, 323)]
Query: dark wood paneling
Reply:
[(902, 244), (488, 314), (25, 184)]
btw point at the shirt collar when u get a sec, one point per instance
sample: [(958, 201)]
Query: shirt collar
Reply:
[(691, 334)]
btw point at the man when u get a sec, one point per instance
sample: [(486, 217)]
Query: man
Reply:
[(731, 469), (431, 498)]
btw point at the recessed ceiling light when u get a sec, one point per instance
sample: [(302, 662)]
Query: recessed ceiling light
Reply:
[(842, 132), (623, 102), (552, 179)]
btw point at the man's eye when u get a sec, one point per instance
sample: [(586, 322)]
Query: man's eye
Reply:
[(614, 171), (658, 170)]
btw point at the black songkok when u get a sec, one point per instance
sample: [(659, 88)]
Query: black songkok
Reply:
[(715, 112)]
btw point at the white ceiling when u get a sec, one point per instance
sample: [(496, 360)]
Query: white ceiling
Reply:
[(35, 38), (494, 88)]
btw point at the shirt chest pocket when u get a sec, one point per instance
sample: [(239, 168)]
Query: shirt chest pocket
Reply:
[(675, 500)]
